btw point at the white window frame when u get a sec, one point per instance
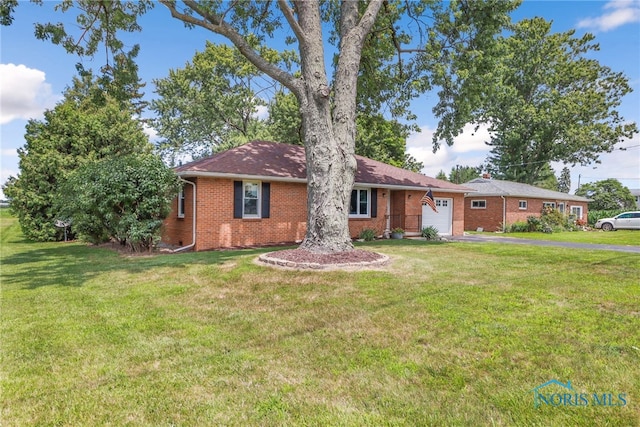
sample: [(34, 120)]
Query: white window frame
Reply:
[(181, 203), (359, 190), (480, 204), (258, 213), (549, 204), (561, 207), (523, 205), (579, 208)]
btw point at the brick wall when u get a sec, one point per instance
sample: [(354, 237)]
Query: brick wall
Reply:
[(491, 218), (406, 209), (217, 228)]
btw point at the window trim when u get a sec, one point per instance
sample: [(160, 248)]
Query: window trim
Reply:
[(581, 209), (523, 205), (484, 204), (181, 203), (258, 199), (552, 205), (561, 207), (359, 215)]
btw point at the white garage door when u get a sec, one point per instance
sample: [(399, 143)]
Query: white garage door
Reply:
[(442, 220)]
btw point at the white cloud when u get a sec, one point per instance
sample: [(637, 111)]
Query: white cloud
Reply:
[(262, 112), (25, 93), (617, 13), (150, 132), (468, 149)]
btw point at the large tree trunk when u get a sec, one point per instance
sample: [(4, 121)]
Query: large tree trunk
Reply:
[(330, 174), (330, 139)]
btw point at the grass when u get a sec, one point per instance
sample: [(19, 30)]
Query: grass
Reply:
[(619, 237), (452, 334)]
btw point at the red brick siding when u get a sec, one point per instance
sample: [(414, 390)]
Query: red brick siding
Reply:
[(406, 209), (491, 218), (217, 228)]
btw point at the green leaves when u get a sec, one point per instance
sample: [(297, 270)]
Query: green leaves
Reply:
[(125, 198), (608, 194), (551, 103), (208, 102), (74, 133)]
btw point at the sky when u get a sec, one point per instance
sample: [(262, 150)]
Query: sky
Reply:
[(34, 73)]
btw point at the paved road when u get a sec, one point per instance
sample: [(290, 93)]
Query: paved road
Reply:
[(512, 240)]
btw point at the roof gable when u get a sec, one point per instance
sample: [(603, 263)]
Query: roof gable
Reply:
[(264, 159), (496, 187)]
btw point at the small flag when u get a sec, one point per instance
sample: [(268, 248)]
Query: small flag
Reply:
[(427, 199)]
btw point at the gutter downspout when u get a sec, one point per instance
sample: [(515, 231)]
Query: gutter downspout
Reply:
[(193, 238), (504, 214)]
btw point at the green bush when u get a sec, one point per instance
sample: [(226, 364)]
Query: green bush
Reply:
[(533, 223), (124, 198), (594, 216), (518, 227), (367, 234), (430, 233)]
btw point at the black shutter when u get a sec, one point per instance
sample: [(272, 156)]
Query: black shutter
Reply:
[(266, 199), (374, 203), (237, 199)]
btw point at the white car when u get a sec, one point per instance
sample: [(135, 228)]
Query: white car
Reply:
[(626, 220)]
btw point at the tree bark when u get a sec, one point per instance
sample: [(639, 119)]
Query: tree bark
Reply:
[(329, 136)]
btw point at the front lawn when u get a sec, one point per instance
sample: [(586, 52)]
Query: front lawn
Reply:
[(619, 237), (450, 334)]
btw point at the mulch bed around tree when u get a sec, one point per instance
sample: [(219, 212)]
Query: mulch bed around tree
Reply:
[(304, 259)]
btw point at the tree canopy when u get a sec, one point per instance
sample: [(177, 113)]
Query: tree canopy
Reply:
[(75, 132), (550, 102), (608, 194), (423, 44), (209, 102)]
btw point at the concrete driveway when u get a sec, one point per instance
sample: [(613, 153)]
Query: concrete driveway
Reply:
[(512, 240)]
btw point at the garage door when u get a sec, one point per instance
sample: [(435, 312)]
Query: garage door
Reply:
[(442, 220)]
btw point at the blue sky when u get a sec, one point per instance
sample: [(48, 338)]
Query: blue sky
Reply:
[(33, 74)]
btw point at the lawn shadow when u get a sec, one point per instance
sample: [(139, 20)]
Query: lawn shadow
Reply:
[(73, 264)]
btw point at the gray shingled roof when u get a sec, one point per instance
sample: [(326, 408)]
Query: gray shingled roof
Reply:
[(285, 162), (496, 187)]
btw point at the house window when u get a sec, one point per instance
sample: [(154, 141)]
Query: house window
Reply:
[(522, 204), (359, 206), (181, 204), (478, 204), (251, 199), (561, 207), (577, 211), (442, 203), (551, 205)]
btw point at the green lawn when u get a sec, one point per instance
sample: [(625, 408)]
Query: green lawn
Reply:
[(454, 334), (619, 237)]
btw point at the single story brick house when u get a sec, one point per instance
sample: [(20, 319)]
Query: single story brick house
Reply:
[(496, 203), (256, 194)]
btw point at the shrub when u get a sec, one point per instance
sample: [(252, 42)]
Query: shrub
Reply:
[(430, 233), (518, 227), (124, 198), (367, 234), (533, 223)]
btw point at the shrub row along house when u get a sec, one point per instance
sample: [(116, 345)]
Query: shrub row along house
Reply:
[(256, 194)]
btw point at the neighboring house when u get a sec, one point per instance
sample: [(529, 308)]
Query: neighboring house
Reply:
[(496, 203), (635, 192), (256, 194)]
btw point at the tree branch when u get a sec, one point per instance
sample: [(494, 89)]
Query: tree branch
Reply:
[(216, 24)]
